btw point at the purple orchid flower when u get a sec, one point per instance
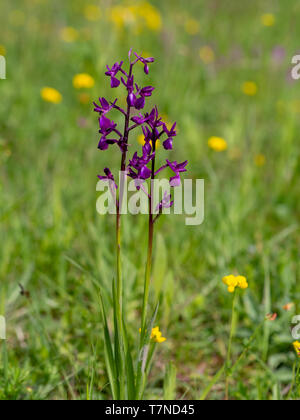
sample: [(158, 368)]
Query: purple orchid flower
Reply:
[(108, 177), (139, 164), (112, 72), (145, 61), (165, 203), (177, 168), (140, 119), (144, 93), (106, 125), (168, 144), (104, 107)]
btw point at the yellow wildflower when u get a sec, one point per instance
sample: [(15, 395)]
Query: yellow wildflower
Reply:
[(83, 81), (242, 282), (69, 34), (151, 16), (218, 144), (235, 281), (2, 50), (249, 88), (122, 16), (156, 335), (207, 54), (296, 345), (136, 16), (192, 26), (92, 12), (268, 19), (49, 94), (260, 160)]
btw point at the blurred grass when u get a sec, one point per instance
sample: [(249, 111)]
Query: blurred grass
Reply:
[(59, 249)]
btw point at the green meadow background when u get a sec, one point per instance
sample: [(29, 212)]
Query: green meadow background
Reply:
[(61, 251)]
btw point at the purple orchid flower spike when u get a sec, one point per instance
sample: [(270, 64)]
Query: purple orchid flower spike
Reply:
[(140, 168)]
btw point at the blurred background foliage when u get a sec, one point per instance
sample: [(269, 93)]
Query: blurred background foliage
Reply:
[(222, 70)]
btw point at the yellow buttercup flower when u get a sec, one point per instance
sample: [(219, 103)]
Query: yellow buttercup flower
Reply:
[(49, 94), (296, 345), (136, 16), (69, 34), (242, 282), (156, 335), (268, 19), (151, 16), (218, 144), (2, 50), (83, 81), (92, 13), (207, 54), (192, 26), (260, 160), (249, 88), (235, 281)]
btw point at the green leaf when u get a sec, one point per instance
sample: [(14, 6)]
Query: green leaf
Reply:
[(109, 358), (170, 382), (130, 374)]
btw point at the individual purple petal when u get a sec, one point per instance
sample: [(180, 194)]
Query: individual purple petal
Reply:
[(147, 91), (145, 172), (165, 203), (139, 119), (175, 181), (140, 103), (147, 148), (103, 145), (168, 144), (114, 82), (131, 99), (106, 124)]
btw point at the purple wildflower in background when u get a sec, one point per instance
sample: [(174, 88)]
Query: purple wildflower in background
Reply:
[(278, 55)]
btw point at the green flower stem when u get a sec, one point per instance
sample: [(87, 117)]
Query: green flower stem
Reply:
[(231, 336), (150, 250)]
